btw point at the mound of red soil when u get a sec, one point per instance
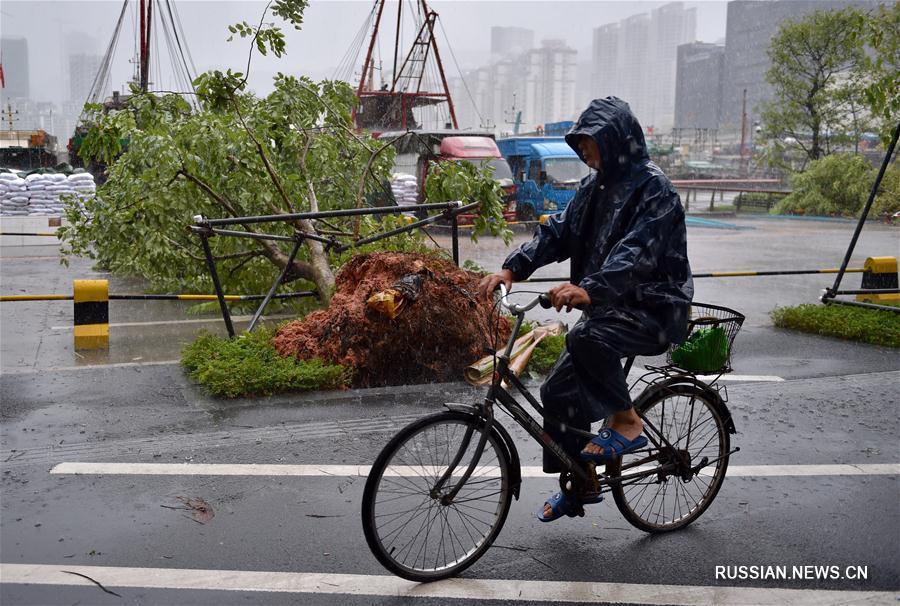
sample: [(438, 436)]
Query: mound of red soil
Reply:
[(433, 339)]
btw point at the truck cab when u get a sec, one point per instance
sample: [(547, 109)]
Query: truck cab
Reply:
[(546, 173), (417, 153)]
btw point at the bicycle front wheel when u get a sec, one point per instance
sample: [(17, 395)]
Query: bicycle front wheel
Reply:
[(670, 500), (411, 527)]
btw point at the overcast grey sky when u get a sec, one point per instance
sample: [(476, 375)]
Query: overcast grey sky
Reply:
[(56, 28)]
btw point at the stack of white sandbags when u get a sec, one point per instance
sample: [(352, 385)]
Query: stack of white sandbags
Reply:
[(13, 196), (83, 185), (44, 192), (405, 189)]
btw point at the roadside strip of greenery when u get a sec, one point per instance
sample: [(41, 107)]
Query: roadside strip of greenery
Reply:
[(249, 366), (871, 326)]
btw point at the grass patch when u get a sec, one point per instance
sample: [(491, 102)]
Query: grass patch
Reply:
[(843, 321), (248, 365), (546, 353)]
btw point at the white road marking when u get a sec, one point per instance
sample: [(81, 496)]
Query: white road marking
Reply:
[(743, 378), (176, 322), (251, 469), (30, 370), (390, 586)]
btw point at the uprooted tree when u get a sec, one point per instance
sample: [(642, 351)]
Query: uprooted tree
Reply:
[(235, 154)]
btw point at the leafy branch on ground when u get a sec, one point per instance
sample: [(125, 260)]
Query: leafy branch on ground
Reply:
[(546, 354), (838, 186), (872, 326), (249, 366)]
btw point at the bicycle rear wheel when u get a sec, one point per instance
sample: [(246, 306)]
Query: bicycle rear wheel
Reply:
[(692, 424), (409, 528)]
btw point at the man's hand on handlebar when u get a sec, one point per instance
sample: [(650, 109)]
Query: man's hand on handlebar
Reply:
[(569, 296), (490, 283)]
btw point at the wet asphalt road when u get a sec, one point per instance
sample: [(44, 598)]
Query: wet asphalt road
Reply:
[(311, 524), (838, 405)]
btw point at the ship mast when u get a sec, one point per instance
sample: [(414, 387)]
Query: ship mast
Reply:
[(146, 19), (391, 107)]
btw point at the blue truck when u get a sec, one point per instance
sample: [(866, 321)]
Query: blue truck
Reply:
[(546, 173)]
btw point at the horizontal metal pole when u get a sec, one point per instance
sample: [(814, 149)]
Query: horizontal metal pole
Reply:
[(738, 274), (869, 291), (682, 182), (17, 233), (718, 188), (254, 236), (144, 297), (347, 212), (405, 228), (37, 298), (830, 301)]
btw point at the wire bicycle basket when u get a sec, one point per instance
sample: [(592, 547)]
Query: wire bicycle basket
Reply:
[(710, 340)]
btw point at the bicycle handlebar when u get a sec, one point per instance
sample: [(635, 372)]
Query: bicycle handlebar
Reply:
[(516, 309)]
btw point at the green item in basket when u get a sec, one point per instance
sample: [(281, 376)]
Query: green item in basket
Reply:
[(706, 350)]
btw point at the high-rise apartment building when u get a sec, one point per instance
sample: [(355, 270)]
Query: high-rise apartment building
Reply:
[(83, 68), (15, 68), (606, 59), (635, 59), (537, 85), (670, 26), (698, 85), (550, 83)]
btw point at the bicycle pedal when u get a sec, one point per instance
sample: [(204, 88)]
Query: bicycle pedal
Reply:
[(576, 513)]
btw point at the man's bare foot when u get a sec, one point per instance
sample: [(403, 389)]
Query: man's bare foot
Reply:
[(627, 423)]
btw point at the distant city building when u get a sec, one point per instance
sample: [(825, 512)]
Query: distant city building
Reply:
[(510, 41), (550, 83), (537, 86), (606, 56), (751, 26), (698, 85), (635, 59), (83, 68), (14, 53), (670, 26)]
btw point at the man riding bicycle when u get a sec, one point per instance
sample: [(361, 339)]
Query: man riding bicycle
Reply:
[(625, 237)]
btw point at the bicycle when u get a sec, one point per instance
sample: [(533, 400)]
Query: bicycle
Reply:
[(439, 492)]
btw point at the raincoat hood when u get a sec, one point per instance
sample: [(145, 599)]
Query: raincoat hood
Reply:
[(618, 134)]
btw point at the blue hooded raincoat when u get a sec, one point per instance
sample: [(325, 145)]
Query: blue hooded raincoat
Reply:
[(625, 237)]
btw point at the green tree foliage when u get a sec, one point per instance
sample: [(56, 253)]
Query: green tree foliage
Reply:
[(881, 33), (464, 181), (839, 185), (816, 73), (234, 154)]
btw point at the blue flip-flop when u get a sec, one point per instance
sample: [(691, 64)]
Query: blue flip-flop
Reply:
[(561, 506), (613, 444)]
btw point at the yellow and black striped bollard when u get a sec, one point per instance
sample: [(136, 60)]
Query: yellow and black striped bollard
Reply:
[(91, 312)]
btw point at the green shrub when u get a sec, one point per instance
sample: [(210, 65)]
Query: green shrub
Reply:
[(546, 353), (839, 185), (872, 326), (249, 365)]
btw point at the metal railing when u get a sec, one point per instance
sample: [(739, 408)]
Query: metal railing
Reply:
[(207, 228)]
